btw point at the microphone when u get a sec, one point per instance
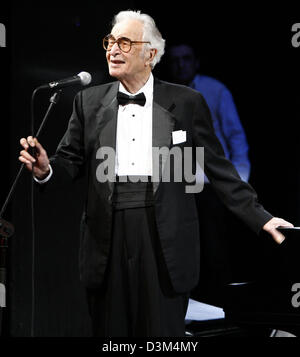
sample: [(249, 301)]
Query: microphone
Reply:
[(83, 78)]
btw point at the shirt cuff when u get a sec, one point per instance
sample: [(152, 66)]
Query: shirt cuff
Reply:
[(45, 179)]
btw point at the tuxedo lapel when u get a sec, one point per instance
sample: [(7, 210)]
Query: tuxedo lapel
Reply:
[(107, 122), (163, 124)]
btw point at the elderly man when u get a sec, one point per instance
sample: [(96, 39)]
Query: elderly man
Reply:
[(139, 253)]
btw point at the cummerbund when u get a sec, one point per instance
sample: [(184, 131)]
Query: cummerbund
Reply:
[(133, 194)]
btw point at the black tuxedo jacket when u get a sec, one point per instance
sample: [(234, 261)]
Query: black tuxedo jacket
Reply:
[(93, 125)]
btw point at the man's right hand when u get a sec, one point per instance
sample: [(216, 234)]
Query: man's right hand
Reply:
[(41, 162)]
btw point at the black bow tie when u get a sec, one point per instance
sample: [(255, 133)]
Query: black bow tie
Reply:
[(124, 99)]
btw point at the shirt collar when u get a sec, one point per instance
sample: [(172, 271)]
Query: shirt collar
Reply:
[(147, 89)]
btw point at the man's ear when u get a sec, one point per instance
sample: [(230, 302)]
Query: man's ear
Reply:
[(150, 57)]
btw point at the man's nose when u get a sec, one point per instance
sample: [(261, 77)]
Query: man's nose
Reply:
[(115, 49)]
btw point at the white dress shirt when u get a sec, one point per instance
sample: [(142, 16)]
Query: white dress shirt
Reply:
[(134, 136)]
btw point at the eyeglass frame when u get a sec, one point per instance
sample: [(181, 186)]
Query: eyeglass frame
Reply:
[(121, 38)]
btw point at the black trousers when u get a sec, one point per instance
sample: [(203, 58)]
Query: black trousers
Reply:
[(136, 298)]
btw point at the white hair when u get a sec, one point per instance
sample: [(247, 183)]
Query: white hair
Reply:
[(151, 32)]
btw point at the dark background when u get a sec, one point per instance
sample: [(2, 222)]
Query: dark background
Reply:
[(247, 48)]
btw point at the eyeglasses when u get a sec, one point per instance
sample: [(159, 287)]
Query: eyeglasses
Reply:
[(124, 43)]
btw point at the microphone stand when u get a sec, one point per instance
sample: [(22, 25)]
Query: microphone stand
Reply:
[(6, 228)]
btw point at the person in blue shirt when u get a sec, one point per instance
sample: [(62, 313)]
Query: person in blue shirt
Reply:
[(215, 231), (184, 67)]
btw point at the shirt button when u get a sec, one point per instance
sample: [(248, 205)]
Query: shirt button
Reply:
[(133, 139), (133, 115), (132, 163)]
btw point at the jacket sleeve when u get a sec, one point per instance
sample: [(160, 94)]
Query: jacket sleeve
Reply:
[(237, 195)]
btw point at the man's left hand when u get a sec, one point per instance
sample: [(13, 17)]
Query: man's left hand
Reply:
[(274, 223)]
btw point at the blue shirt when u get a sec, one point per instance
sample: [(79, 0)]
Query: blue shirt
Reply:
[(227, 125)]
